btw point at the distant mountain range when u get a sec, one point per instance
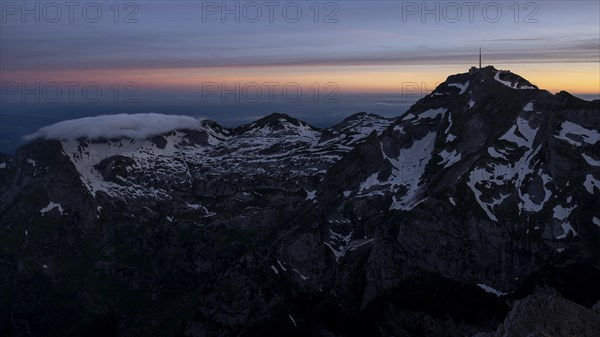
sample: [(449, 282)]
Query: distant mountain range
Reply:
[(475, 213)]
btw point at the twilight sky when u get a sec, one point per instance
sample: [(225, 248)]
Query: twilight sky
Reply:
[(375, 46), (71, 59)]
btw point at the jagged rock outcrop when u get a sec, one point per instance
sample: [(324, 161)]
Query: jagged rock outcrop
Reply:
[(549, 315)]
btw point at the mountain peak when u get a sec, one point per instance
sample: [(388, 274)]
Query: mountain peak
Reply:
[(361, 116), (505, 77), (276, 123), (471, 88), (277, 116), (477, 77)]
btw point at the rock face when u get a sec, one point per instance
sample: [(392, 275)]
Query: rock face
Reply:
[(548, 315), (468, 215)]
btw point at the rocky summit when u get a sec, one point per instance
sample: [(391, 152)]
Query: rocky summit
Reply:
[(475, 213)]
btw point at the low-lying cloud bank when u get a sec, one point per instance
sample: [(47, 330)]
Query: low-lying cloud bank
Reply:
[(135, 126)]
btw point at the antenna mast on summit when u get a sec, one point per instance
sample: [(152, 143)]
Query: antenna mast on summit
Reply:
[(479, 58)]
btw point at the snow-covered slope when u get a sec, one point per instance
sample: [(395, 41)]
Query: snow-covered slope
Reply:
[(145, 158), (478, 148)]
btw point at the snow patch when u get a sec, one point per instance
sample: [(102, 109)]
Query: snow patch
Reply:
[(521, 134), (495, 153), (427, 114), (197, 207), (591, 184), (462, 87), (449, 158), (344, 244), (562, 213), (372, 180), (407, 117), (194, 206), (408, 169), (529, 205), (511, 85), (591, 161), (488, 207), (281, 265), (491, 290), (293, 321), (302, 276), (310, 195), (449, 137), (432, 113), (586, 135), (484, 179), (50, 207), (567, 228)]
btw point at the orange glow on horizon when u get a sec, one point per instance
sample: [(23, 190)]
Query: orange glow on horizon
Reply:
[(576, 78)]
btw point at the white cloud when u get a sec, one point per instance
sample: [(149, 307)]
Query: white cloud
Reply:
[(136, 126)]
